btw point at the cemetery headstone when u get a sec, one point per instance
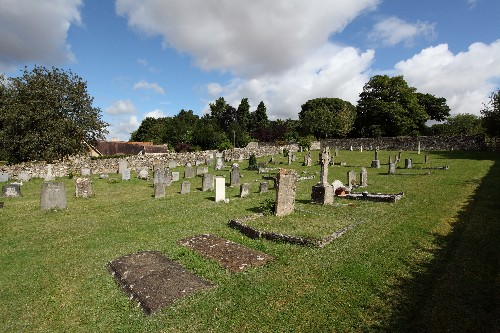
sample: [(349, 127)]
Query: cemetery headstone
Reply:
[(376, 154), (351, 178), (361, 148), (308, 159), (322, 192), (234, 179), (83, 187), (11, 191), (219, 164), (172, 164), (426, 159), (418, 148), (285, 193), (392, 168), (4, 177), (289, 158), (159, 190), (185, 187), (376, 164), (175, 176), (159, 176), (53, 196), (363, 177), (85, 172), (390, 159), (220, 189), (336, 152), (23, 176), (143, 174), (207, 182), (103, 176), (122, 166), (201, 170), (188, 172), (294, 157), (126, 174), (264, 187), (244, 190), (408, 163), (49, 176)]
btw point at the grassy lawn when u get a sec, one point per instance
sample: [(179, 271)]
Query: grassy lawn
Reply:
[(429, 262)]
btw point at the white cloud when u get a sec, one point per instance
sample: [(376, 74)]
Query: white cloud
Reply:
[(122, 130), (36, 31), (156, 113), (149, 86), (214, 89), (249, 38), (145, 63), (330, 72), (472, 3), (465, 79), (393, 30), (121, 107)]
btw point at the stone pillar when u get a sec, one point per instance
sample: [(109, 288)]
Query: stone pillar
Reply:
[(83, 187), (325, 162), (363, 177), (285, 193), (220, 189), (53, 196), (244, 190), (418, 148)]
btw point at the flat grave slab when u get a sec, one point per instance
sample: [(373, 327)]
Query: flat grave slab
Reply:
[(230, 255), (154, 280)]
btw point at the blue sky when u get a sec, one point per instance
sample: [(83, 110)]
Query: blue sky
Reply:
[(156, 57)]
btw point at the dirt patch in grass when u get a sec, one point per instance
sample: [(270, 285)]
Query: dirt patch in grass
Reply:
[(154, 280), (228, 254)]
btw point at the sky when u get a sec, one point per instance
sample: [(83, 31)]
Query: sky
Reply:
[(152, 58)]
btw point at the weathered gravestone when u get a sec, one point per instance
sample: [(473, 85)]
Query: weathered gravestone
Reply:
[(11, 191), (308, 159), (408, 163), (285, 193), (175, 176), (85, 171), (322, 192), (263, 187), (154, 280), (49, 176), (172, 164), (188, 171), (376, 161), (220, 189), (363, 177), (143, 174), (234, 179), (418, 148), (126, 174), (201, 170), (207, 182), (4, 177), (351, 178), (219, 164), (53, 196), (159, 176), (159, 190), (289, 158), (244, 190), (185, 187), (83, 187), (122, 166), (392, 168), (23, 176)]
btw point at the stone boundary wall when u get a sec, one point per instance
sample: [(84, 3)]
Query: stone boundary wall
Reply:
[(74, 165)]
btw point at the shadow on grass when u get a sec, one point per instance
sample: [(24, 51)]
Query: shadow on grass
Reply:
[(459, 290)]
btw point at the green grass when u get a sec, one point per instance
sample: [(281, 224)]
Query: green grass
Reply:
[(426, 263)]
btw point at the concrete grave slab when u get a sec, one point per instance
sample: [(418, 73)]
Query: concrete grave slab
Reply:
[(233, 256), (154, 280)]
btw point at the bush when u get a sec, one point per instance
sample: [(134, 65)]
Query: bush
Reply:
[(252, 163)]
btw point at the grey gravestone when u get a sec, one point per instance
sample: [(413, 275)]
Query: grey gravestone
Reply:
[(426, 159), (122, 166), (159, 176), (154, 280), (168, 177), (219, 155), (85, 172), (103, 176), (83, 187), (351, 178), (49, 176), (207, 183), (390, 159), (185, 187), (363, 177), (126, 174), (264, 187), (408, 163), (376, 164), (188, 172), (285, 194), (244, 190), (172, 164), (53, 196), (209, 161), (220, 189), (175, 176), (201, 170), (159, 189), (308, 159), (418, 148), (234, 179), (220, 164), (11, 191), (392, 168), (143, 174), (290, 160), (336, 152), (23, 176), (294, 157), (4, 177)]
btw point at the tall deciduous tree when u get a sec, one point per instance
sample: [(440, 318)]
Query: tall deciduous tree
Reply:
[(47, 114), (389, 107), (491, 115), (460, 124), (435, 107), (327, 117)]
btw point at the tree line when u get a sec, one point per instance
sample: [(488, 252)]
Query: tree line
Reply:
[(47, 114)]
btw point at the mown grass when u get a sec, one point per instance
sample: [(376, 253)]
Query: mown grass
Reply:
[(426, 263)]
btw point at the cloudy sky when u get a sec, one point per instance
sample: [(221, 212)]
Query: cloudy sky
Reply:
[(145, 58)]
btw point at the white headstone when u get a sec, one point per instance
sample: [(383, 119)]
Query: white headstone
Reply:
[(126, 174), (220, 189)]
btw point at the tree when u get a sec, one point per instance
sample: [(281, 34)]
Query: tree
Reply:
[(435, 107), (47, 114), (243, 114), (389, 107), (460, 124), (259, 121), (491, 115), (327, 117)]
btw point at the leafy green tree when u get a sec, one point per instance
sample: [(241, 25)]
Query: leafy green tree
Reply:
[(435, 107), (150, 130), (460, 124), (389, 107), (259, 122), (327, 117), (491, 115), (47, 114), (207, 134), (243, 114)]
